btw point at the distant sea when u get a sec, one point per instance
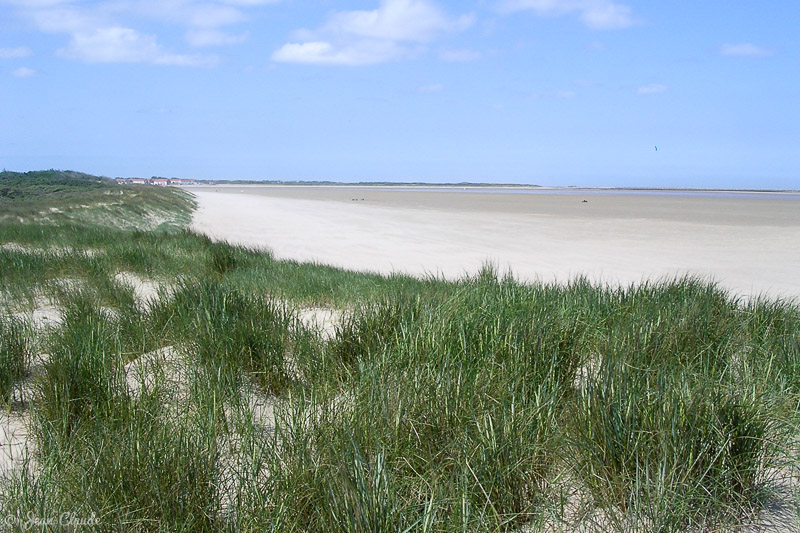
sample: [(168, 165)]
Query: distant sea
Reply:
[(686, 193)]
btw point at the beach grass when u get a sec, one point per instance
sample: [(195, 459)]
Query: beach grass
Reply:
[(15, 355), (481, 404)]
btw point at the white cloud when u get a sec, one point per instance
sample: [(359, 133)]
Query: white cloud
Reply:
[(745, 49), (459, 55), (209, 37), (124, 45), (395, 29), (250, 3), (23, 72), (15, 53), (398, 20), (112, 45), (103, 31), (34, 3), (213, 16), (324, 53), (607, 16), (186, 60), (432, 88), (67, 19), (549, 7), (596, 14), (191, 13), (653, 88)]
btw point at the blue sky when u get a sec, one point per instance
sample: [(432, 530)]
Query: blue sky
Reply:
[(551, 92)]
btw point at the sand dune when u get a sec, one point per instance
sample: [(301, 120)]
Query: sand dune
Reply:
[(749, 243)]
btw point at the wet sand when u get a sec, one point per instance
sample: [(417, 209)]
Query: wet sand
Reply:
[(747, 242)]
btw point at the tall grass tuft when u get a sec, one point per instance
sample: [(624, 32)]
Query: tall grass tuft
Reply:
[(141, 470), (666, 430), (448, 416), (233, 333), (773, 345), (128, 460), (82, 377), (224, 258), (15, 354), (136, 468), (368, 330), (361, 497)]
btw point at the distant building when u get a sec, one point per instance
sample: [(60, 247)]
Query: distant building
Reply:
[(156, 181)]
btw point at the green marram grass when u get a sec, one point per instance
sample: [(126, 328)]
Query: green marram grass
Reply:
[(15, 355), (482, 404)]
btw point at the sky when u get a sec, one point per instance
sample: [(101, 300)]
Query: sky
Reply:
[(600, 93)]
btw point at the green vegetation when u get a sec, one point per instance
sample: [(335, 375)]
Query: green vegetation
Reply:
[(62, 197), (209, 403), (48, 185), (14, 354)]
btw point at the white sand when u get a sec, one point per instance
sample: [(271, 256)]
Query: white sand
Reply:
[(144, 290), (749, 243), (14, 442)]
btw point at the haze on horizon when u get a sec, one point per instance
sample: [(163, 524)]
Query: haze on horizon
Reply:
[(548, 92)]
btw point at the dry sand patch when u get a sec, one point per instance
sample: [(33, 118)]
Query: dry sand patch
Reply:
[(144, 290), (322, 319), (43, 315), (167, 370), (14, 441), (748, 244)]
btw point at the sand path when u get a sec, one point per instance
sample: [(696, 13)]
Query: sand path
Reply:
[(749, 243)]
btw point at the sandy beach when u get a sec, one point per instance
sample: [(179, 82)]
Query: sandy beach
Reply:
[(748, 242)]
